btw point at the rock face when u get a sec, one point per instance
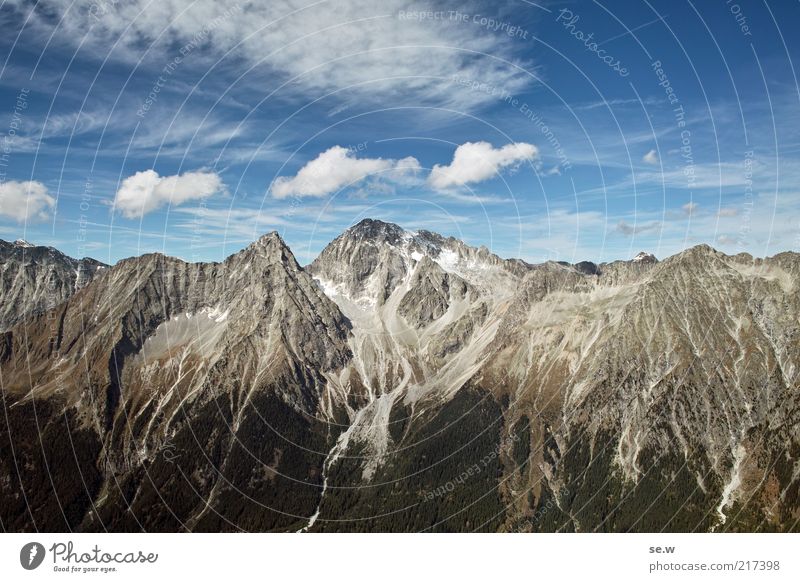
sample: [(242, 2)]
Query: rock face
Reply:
[(166, 371), (35, 279), (644, 257), (681, 382), (405, 381)]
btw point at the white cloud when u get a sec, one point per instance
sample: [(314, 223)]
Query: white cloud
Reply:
[(554, 171), (727, 240), (25, 201), (711, 175), (479, 161), (72, 123), (728, 212), (337, 168), (630, 229), (147, 191), (651, 158), (473, 198), (372, 49), (406, 166), (689, 208)]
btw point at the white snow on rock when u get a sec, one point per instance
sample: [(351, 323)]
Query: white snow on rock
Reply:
[(643, 256)]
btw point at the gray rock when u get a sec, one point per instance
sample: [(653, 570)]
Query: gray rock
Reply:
[(35, 278)]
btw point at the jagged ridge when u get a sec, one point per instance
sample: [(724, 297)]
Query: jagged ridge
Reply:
[(400, 357)]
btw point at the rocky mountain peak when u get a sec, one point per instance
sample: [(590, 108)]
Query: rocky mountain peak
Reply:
[(677, 376), (702, 250), (36, 278), (372, 229), (701, 255), (269, 249), (588, 267), (644, 257), (431, 238), (269, 239), (369, 260)]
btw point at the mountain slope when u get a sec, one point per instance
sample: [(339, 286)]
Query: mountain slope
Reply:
[(671, 403), (626, 380), (160, 354), (405, 381), (34, 279)]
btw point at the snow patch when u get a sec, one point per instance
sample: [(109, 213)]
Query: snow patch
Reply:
[(733, 484), (448, 260), (186, 331), (216, 314), (330, 289)]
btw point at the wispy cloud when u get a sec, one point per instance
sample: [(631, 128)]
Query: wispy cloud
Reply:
[(363, 47), (651, 158), (689, 208), (627, 229)]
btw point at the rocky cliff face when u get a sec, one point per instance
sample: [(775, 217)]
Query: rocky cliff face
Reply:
[(662, 402), (167, 370), (35, 279), (405, 381)]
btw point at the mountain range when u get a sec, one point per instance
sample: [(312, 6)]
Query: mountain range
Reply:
[(403, 381)]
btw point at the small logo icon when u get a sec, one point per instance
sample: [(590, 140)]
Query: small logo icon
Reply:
[(31, 555)]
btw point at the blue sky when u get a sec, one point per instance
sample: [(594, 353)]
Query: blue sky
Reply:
[(550, 130)]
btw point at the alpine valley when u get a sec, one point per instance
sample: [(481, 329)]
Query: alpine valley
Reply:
[(403, 381)]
